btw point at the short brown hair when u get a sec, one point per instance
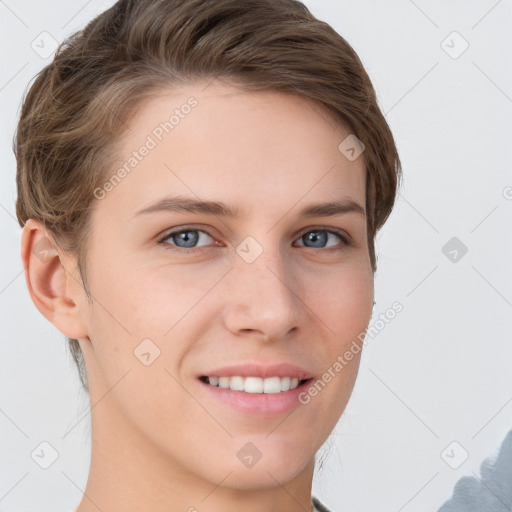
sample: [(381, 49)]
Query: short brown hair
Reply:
[(76, 110)]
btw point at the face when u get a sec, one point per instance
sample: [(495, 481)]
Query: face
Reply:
[(185, 293)]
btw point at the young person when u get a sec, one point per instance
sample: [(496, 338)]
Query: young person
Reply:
[(200, 184)]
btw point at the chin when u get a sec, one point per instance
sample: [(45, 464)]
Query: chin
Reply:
[(265, 467), (261, 477)]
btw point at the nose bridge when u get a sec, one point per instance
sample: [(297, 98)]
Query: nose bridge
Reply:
[(264, 294)]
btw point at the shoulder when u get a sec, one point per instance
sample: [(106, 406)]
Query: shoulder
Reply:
[(319, 506)]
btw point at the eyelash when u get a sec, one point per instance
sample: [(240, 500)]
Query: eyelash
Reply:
[(167, 246)]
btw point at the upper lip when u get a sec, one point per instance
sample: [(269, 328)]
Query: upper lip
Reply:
[(258, 370)]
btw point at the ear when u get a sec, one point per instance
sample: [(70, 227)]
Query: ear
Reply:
[(52, 280)]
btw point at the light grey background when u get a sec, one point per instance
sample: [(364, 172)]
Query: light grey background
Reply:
[(438, 373)]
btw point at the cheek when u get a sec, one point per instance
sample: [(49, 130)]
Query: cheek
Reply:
[(148, 315), (139, 300), (343, 300), (344, 307)]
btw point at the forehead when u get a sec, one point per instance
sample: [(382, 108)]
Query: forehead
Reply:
[(246, 149)]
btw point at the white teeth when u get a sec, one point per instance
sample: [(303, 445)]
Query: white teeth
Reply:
[(272, 385), (255, 384), (236, 383), (285, 383), (223, 382)]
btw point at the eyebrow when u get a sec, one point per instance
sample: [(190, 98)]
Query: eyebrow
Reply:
[(217, 208)]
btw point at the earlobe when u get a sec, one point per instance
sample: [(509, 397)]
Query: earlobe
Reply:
[(50, 279)]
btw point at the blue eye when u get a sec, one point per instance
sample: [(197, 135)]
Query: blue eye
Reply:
[(185, 240), (321, 236), (188, 237)]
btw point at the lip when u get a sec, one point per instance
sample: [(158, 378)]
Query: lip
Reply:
[(258, 370), (267, 405)]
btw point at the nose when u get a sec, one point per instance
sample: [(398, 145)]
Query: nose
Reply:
[(264, 298)]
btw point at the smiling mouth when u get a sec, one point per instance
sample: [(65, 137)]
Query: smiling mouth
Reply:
[(249, 384)]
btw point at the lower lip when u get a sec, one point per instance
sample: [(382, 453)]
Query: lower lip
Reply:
[(268, 404)]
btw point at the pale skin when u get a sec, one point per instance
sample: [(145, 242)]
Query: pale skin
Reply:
[(160, 442)]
